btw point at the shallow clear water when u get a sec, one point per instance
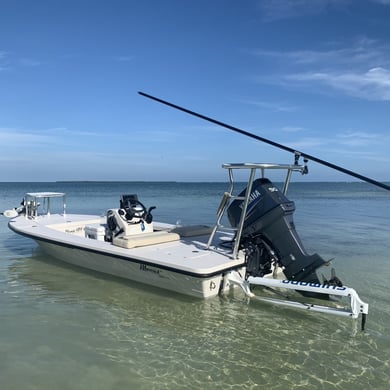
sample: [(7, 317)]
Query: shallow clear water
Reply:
[(66, 328)]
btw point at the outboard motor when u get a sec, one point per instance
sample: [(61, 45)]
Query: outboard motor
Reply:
[(269, 236), (131, 218)]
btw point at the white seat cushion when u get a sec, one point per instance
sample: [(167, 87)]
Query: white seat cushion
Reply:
[(144, 239)]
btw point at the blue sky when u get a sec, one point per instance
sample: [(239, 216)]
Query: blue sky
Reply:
[(311, 74)]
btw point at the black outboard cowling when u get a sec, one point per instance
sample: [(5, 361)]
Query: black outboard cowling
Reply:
[(269, 234)]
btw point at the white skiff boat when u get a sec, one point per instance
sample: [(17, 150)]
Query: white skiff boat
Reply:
[(253, 242)]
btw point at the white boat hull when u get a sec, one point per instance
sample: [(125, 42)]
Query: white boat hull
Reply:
[(185, 266), (136, 271)]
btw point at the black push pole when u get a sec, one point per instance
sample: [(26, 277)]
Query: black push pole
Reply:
[(267, 141)]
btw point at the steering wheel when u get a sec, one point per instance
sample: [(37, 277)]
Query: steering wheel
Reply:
[(135, 209)]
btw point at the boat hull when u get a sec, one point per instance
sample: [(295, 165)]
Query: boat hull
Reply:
[(185, 265), (136, 270)]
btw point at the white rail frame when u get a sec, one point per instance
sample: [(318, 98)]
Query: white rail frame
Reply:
[(357, 306), (32, 202)]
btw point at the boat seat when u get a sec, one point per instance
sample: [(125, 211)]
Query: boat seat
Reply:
[(192, 230), (145, 239)]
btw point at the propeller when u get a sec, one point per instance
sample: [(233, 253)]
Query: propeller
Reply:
[(333, 281)]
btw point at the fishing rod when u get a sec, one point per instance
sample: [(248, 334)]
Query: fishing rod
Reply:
[(270, 142)]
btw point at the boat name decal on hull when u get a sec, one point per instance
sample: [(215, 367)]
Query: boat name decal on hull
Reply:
[(144, 267)]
